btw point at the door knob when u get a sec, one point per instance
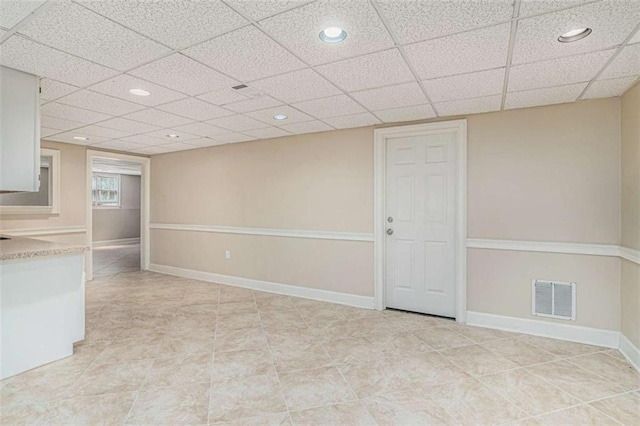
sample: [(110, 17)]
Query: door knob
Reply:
[(389, 231)]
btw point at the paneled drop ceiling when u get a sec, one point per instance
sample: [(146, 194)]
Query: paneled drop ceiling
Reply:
[(402, 60)]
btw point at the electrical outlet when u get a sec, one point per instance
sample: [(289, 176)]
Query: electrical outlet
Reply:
[(227, 254)]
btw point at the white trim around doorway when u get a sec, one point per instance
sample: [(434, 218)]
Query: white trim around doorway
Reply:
[(145, 205), (379, 158)]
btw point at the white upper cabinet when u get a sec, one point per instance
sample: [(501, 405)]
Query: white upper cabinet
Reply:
[(19, 131)]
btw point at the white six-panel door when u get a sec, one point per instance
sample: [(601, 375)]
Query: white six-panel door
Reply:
[(421, 222)]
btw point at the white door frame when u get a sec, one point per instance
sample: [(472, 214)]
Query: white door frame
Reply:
[(145, 205), (379, 205)]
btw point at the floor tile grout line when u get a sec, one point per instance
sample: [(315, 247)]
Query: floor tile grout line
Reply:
[(273, 364), (213, 356)]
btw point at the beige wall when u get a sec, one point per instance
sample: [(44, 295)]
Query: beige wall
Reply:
[(548, 174), (319, 181), (124, 221), (630, 274)]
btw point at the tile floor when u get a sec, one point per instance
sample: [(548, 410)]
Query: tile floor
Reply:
[(112, 260), (166, 350)]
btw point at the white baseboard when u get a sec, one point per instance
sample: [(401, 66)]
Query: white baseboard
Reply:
[(119, 242), (630, 351), (572, 333), (269, 287)]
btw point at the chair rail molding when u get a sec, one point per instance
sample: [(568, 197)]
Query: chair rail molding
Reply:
[(272, 232), (610, 250), (54, 230)]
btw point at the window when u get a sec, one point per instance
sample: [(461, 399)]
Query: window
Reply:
[(106, 190)]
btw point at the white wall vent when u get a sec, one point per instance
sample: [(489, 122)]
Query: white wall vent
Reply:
[(553, 299)]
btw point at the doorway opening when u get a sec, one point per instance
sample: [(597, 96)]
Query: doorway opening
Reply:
[(117, 213)]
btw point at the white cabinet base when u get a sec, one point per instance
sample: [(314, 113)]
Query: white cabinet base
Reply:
[(41, 311)]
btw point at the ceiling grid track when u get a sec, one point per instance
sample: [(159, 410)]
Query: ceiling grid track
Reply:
[(512, 42), (611, 59)]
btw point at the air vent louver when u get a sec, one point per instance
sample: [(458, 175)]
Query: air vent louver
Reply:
[(553, 299)]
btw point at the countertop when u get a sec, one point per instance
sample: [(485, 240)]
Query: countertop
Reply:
[(29, 248)]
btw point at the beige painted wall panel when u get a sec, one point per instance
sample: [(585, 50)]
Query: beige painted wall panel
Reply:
[(546, 174), (72, 193), (342, 266), (630, 301), (630, 121), (319, 181), (499, 282)]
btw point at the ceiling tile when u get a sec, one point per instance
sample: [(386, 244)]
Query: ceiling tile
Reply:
[(180, 73), (202, 142), (611, 21), (462, 53), (119, 87), (410, 113), (464, 86), (14, 11), (51, 89), (269, 132), (46, 131), (67, 112), (556, 72), (413, 21), (330, 107), (145, 140), (195, 109), (128, 125), (68, 137), (297, 86), (29, 56), (177, 146), (223, 96), (58, 123), (263, 8), (253, 104), (547, 96), (391, 97), (246, 54), (98, 102), (117, 145), (90, 36), (103, 132), (237, 123), (356, 120), (365, 72), (234, 137), (534, 7), (158, 118), (162, 134), (307, 127), (299, 30), (266, 115), (469, 106), (609, 88), (177, 24), (202, 129), (626, 64), (151, 150)]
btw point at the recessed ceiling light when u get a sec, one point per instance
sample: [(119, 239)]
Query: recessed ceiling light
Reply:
[(574, 35), (280, 117), (139, 92), (333, 34), (80, 138), (173, 136)]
